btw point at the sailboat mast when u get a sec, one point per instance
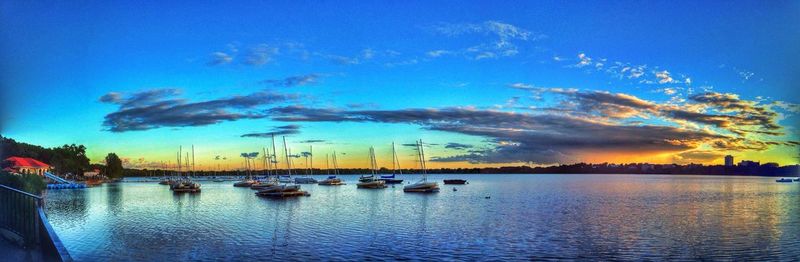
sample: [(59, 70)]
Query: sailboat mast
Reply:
[(286, 153), (394, 164), (372, 160), (335, 164), (180, 150), (267, 167), (397, 160), (311, 155), (274, 156), (327, 165), (422, 158), (191, 174)]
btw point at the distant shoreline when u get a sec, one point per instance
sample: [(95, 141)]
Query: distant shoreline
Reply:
[(575, 169)]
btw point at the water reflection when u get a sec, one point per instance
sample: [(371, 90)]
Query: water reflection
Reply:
[(528, 217)]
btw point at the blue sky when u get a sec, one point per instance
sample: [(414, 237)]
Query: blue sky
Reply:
[(59, 59)]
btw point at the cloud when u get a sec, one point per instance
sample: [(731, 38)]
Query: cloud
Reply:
[(367, 54), (276, 131), (725, 111), (311, 141), (437, 53), (112, 97), (503, 37), (158, 108), (457, 146), (583, 60), (298, 80), (259, 55), (219, 58), (536, 138), (664, 77), (697, 156), (343, 60)]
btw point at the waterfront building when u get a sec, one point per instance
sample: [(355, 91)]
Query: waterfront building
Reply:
[(25, 165), (92, 173), (729, 160)]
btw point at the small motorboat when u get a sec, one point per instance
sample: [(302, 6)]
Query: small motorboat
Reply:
[(797, 179), (784, 180), (331, 181), (455, 181)]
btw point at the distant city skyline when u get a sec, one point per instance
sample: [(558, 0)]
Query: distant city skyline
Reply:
[(533, 83)]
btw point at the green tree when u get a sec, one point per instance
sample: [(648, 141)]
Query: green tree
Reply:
[(113, 166)]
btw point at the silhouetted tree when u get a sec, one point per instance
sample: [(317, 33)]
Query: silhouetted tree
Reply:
[(113, 166)]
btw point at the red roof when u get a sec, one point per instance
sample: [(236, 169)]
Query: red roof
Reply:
[(17, 162)]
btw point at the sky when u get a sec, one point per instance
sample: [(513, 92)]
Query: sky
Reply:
[(482, 83)]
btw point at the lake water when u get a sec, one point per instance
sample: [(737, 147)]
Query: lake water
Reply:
[(528, 217)]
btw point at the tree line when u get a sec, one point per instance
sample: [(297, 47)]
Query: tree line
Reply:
[(69, 158)]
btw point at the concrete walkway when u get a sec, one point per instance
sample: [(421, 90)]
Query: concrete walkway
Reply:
[(14, 252)]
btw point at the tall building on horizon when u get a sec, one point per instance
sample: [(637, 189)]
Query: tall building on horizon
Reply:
[(729, 160)]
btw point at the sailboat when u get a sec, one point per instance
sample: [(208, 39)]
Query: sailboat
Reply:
[(370, 181), (332, 180), (422, 186), (391, 179), (307, 179), (268, 180), (185, 183), (249, 181), (285, 190)]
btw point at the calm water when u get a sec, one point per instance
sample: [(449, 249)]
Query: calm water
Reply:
[(528, 217)]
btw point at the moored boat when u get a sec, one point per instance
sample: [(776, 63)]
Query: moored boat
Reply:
[(305, 180), (285, 190), (245, 183), (185, 186), (422, 186), (392, 179), (371, 182), (784, 180), (331, 181), (455, 181)]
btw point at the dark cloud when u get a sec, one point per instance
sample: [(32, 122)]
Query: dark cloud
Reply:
[(162, 108), (745, 113), (311, 141), (249, 155), (538, 138), (292, 81), (457, 146), (277, 131), (725, 111)]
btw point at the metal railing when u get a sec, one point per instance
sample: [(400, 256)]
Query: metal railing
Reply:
[(19, 214)]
